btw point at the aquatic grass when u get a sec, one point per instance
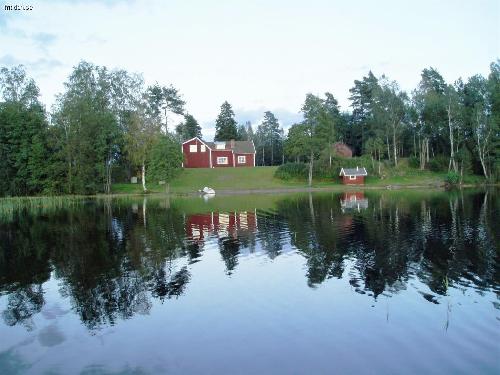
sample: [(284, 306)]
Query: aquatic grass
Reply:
[(37, 205)]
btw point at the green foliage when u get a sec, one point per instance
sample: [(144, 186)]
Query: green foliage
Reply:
[(23, 136), (165, 159), (452, 178), (322, 168), (439, 163), (189, 128), (269, 140), (413, 162), (225, 125), (289, 171)]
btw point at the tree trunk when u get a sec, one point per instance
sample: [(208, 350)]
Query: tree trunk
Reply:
[(394, 145), (272, 154), (388, 147), (481, 148), (379, 172), (311, 169), (414, 146), (330, 148), (143, 171), (452, 150)]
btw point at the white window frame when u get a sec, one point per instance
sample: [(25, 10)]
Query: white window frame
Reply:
[(203, 148), (352, 177), (193, 148), (242, 159), (222, 160)]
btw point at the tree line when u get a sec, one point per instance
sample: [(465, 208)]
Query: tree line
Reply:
[(108, 126), (453, 126)]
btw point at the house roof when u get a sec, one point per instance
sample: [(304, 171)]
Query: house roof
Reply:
[(240, 147), (358, 171)]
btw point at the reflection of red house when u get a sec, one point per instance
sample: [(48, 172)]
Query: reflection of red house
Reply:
[(353, 176), (353, 200), (199, 226), (200, 154)]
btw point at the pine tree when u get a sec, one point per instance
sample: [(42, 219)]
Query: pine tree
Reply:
[(189, 128), (225, 125)]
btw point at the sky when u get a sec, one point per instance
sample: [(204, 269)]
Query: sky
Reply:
[(257, 55)]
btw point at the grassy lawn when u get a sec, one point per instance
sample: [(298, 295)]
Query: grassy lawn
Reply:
[(255, 178), (226, 178)]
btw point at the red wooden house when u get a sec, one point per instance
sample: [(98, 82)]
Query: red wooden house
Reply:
[(353, 176), (200, 154)]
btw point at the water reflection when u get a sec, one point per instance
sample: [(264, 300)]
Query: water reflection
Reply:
[(353, 200), (113, 259)]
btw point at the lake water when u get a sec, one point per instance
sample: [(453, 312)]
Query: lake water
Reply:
[(344, 282)]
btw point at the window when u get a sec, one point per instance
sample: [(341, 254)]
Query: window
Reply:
[(222, 160), (193, 148), (352, 177), (202, 148), (220, 145), (242, 159)]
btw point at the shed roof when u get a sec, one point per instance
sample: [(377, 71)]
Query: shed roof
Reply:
[(358, 171)]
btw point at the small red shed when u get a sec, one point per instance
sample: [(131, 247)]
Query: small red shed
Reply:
[(353, 176)]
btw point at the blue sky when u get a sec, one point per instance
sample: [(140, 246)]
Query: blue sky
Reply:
[(258, 55)]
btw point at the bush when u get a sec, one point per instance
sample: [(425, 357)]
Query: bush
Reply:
[(290, 171), (439, 163), (322, 168), (413, 162), (164, 160), (452, 178)]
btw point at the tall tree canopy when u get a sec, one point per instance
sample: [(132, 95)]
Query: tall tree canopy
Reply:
[(269, 140), (23, 135), (225, 125), (189, 128)]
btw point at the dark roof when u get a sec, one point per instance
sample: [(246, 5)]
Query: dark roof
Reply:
[(358, 171), (240, 147)]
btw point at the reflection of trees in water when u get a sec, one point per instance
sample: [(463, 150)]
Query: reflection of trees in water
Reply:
[(114, 259), (442, 241), (111, 264), (22, 304)]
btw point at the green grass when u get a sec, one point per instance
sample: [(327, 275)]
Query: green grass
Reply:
[(262, 178), (193, 179)]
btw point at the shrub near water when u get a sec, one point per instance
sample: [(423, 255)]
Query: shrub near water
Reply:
[(452, 178), (439, 163), (322, 168), (290, 171)]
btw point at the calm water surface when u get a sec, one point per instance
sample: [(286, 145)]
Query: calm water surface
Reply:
[(373, 282)]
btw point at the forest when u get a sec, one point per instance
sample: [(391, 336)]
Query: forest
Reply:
[(108, 125)]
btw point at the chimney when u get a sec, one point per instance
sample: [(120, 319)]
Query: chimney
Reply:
[(232, 143)]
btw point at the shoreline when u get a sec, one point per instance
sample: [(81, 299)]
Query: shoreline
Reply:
[(283, 190)]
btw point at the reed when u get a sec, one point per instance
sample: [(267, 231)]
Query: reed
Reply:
[(9, 207)]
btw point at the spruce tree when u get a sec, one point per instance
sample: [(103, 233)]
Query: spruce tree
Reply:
[(225, 125)]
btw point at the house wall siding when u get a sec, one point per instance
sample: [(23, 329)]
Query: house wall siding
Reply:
[(248, 162), (200, 159), (196, 159), (222, 153), (359, 180)]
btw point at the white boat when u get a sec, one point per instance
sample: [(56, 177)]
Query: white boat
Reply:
[(207, 191)]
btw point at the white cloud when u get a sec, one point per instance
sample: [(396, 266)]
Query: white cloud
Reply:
[(258, 55)]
